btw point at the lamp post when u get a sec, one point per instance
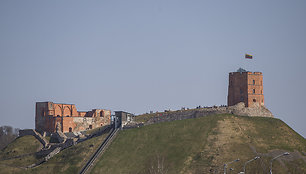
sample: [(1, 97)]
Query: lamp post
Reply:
[(226, 164), (248, 162), (286, 153)]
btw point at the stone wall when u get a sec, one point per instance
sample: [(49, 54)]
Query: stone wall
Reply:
[(40, 138), (238, 109)]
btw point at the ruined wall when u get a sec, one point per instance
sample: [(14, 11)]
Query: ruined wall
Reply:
[(256, 110), (238, 109), (40, 138), (51, 116)]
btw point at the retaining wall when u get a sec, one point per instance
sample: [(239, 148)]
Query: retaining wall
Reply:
[(238, 109)]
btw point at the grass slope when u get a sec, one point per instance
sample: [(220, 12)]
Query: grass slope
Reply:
[(24, 149), (201, 145), (70, 160), (17, 147)]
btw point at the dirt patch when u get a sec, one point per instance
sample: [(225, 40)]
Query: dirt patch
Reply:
[(224, 143), (228, 131)]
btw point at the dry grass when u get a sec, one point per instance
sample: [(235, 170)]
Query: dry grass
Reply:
[(202, 145)]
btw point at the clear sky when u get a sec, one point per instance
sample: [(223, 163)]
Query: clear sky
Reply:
[(142, 55)]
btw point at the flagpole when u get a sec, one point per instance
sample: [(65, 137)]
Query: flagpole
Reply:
[(248, 56)]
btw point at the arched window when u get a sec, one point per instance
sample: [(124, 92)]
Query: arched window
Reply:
[(254, 100), (253, 82), (70, 129), (253, 91)]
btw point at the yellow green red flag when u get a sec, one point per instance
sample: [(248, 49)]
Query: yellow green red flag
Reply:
[(248, 56)]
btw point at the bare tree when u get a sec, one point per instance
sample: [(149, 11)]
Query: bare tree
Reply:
[(7, 135)]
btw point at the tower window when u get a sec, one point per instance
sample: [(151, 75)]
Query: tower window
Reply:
[(241, 98), (253, 91), (253, 82)]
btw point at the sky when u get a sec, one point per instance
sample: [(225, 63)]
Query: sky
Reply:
[(149, 55)]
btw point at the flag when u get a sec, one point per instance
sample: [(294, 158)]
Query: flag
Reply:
[(248, 56)]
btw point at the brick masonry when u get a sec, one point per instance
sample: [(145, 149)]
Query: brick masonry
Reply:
[(51, 117), (246, 87)]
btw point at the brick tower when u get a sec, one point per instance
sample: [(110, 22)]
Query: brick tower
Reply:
[(245, 87)]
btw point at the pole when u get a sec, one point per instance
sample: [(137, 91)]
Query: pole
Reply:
[(286, 153), (225, 165), (249, 162)]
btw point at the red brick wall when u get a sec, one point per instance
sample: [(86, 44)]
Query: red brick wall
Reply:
[(255, 89), (68, 123), (245, 87), (49, 114)]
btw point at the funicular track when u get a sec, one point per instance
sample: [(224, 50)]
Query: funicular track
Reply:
[(100, 150)]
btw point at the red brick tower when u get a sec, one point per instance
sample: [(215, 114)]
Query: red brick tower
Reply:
[(245, 87)]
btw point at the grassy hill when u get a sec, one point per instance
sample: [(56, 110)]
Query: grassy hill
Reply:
[(70, 160), (19, 153), (202, 145), (199, 145)]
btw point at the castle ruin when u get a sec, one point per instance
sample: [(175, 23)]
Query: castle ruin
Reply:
[(51, 117)]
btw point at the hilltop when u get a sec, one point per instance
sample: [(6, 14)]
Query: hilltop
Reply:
[(198, 145), (204, 144)]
